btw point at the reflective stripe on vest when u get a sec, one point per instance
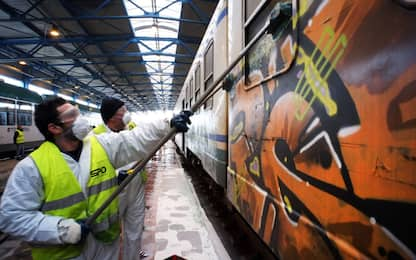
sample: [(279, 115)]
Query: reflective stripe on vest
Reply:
[(64, 197), (20, 136)]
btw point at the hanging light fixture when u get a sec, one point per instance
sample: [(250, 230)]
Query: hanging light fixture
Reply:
[(54, 32)]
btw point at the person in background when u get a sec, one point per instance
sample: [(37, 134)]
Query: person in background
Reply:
[(19, 140), (51, 192), (132, 203)]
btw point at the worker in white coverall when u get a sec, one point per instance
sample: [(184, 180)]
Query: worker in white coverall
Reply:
[(51, 192), (132, 204)]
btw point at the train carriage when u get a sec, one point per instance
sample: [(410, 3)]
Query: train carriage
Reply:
[(207, 139), (16, 108), (320, 124)]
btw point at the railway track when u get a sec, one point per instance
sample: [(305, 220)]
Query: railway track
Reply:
[(239, 240)]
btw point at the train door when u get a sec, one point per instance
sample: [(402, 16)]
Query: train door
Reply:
[(7, 124)]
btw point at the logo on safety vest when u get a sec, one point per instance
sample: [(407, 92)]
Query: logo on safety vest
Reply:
[(98, 171)]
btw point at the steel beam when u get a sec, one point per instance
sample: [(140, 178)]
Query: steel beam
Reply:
[(92, 39), (96, 56), (93, 17)]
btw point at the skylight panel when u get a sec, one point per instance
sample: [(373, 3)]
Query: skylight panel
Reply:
[(171, 49), (158, 65)]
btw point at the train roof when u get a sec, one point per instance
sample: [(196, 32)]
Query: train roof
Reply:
[(24, 94), (10, 91), (83, 108)]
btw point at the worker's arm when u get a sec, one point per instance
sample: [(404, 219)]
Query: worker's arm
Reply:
[(128, 146), (20, 204)]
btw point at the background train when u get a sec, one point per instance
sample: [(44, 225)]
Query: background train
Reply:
[(313, 137), (16, 108)]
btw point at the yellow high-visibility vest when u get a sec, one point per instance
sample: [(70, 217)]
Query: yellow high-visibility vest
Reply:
[(20, 136), (102, 129), (99, 129), (64, 197)]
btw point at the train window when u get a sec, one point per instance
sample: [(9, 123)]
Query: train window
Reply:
[(11, 118), (259, 56), (209, 103), (251, 6), (186, 96), (3, 118), (197, 78), (256, 15), (191, 91), (197, 82), (209, 66), (197, 95), (24, 118)]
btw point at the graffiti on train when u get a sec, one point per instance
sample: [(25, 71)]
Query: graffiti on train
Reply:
[(319, 155)]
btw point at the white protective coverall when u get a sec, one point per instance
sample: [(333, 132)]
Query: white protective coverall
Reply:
[(24, 192), (132, 211)]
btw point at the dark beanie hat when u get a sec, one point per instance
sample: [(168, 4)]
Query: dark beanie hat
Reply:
[(109, 107)]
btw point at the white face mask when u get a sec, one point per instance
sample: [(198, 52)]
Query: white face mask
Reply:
[(126, 118), (81, 128)]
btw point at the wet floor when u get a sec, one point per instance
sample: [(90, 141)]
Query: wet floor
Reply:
[(174, 222)]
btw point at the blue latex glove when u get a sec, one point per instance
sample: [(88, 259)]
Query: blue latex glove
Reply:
[(85, 230), (121, 176), (181, 120)]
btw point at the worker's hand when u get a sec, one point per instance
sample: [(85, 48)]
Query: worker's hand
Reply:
[(121, 176), (71, 231), (181, 120)]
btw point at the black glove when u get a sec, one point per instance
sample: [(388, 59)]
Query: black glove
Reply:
[(121, 176), (180, 121), (85, 230)]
